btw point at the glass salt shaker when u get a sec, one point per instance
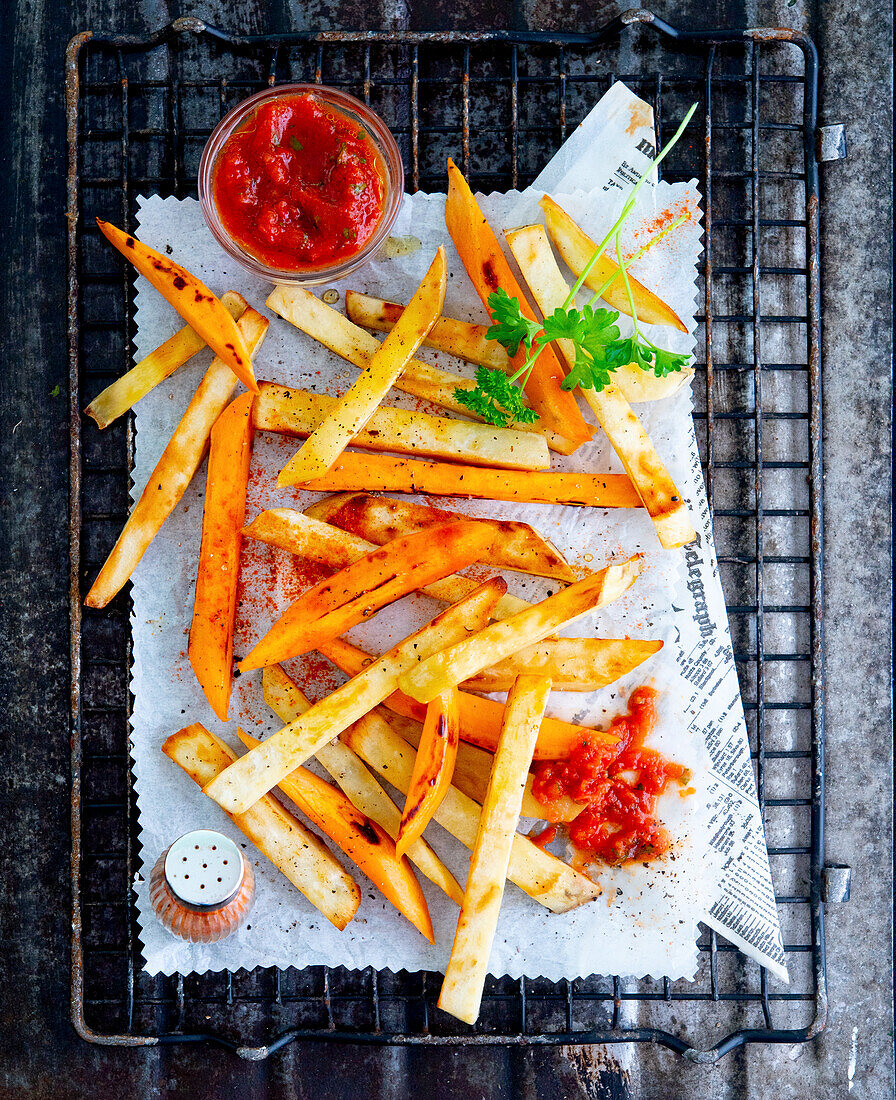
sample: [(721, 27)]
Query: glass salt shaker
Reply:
[(201, 888)]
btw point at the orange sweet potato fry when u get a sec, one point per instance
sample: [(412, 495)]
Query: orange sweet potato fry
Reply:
[(354, 472), (367, 585), (365, 842), (433, 767), (214, 603), (192, 299), (488, 269), (175, 469), (480, 718)]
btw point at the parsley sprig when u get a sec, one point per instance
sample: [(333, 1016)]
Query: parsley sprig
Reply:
[(599, 347)]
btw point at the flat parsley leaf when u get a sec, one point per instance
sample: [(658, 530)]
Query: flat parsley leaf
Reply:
[(496, 399), (509, 327)]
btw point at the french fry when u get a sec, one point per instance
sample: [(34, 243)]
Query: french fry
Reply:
[(327, 545), (354, 409), (192, 299), (465, 976), (480, 719), (174, 470), (577, 248), (433, 767), (542, 876), (286, 700), (405, 431), (648, 473), (359, 590), (573, 664), (516, 546), (305, 860), (382, 473), (253, 775), (488, 269), (365, 842), (464, 659), (461, 338), (472, 768), (125, 392), (214, 604)]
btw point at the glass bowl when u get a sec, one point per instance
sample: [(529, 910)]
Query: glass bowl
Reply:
[(355, 111)]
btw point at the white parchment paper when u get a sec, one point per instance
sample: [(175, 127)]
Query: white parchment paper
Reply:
[(645, 922)]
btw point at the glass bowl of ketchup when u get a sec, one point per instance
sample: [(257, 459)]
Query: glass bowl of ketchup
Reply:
[(301, 183)]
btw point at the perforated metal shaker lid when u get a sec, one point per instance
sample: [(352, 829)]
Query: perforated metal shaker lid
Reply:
[(204, 869)]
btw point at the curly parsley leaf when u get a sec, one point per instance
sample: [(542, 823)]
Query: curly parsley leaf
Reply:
[(509, 327), (496, 399)]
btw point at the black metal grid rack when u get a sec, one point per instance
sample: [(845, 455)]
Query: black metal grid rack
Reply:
[(139, 111)]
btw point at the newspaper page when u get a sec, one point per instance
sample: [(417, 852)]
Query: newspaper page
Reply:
[(614, 147)]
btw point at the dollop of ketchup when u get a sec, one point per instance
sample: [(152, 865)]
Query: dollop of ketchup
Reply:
[(299, 185), (619, 786)]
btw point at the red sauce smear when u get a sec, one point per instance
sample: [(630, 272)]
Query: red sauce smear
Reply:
[(299, 185), (619, 785)]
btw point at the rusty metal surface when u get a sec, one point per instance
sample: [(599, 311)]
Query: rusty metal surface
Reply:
[(40, 1056)]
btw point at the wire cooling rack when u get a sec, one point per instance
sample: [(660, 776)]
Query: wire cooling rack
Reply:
[(139, 112)]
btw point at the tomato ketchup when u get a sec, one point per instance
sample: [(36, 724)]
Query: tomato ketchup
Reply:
[(299, 185)]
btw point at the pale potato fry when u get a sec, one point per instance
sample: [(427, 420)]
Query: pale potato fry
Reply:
[(125, 392), (542, 876), (465, 976), (577, 248), (175, 469), (328, 545), (450, 666), (648, 473), (288, 702), (516, 546), (305, 860), (472, 768), (254, 774), (315, 318), (461, 338), (573, 664), (350, 414), (402, 431)]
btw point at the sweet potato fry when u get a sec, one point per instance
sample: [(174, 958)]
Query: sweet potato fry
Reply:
[(296, 851), (214, 604), (365, 843), (382, 473), (472, 768), (352, 411), (310, 538), (451, 666), (405, 431), (488, 269), (465, 976), (253, 775), (192, 299), (546, 879), (361, 589), (287, 701), (624, 430), (577, 248), (573, 664), (174, 470), (461, 338), (516, 546), (125, 392), (480, 719), (433, 767)]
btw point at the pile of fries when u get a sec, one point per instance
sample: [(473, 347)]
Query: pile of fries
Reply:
[(415, 715)]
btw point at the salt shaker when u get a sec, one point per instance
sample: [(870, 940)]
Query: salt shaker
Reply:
[(201, 888)]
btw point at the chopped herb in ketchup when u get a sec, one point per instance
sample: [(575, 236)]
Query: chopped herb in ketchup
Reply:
[(619, 786), (299, 185)]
